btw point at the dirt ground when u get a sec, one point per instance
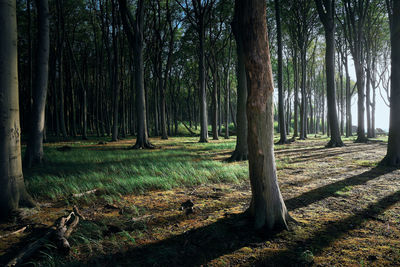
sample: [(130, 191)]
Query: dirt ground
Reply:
[(346, 207)]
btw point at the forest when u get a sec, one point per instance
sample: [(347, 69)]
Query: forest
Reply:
[(199, 133)]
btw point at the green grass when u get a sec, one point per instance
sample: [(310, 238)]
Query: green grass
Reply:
[(118, 171)]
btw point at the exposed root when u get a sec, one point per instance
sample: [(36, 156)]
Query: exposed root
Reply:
[(391, 161), (143, 145), (238, 156), (334, 143), (362, 139)]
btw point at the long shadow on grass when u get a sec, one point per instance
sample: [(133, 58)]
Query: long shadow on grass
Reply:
[(201, 245), (331, 232), (328, 153), (323, 192)]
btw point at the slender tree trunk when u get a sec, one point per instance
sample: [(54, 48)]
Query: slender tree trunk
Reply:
[(215, 103), (281, 108), (303, 113), (34, 150), (114, 78), (326, 12), (296, 95), (241, 150), (203, 97), (267, 207), (12, 186)]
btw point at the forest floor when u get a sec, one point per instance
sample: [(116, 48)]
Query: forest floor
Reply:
[(347, 208)]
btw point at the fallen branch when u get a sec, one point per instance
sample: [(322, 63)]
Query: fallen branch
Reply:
[(85, 193), (59, 232), (15, 232), (190, 130)]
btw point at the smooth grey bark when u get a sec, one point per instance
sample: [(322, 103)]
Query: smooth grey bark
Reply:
[(12, 187), (228, 94), (326, 11), (281, 109), (34, 150), (355, 13), (392, 157), (267, 207), (296, 95), (134, 32), (241, 150)]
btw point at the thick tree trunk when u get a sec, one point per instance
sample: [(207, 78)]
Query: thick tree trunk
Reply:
[(392, 157), (267, 207), (281, 108), (12, 187), (34, 150)]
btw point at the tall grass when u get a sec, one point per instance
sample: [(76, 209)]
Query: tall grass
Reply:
[(119, 171)]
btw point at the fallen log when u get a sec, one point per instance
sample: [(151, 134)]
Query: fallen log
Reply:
[(59, 232)]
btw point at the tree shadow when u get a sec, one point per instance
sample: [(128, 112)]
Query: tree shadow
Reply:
[(323, 192), (331, 232), (201, 245)]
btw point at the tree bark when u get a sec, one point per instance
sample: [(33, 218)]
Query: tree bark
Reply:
[(34, 150), (114, 78), (267, 207), (241, 150), (326, 12), (134, 31), (392, 157), (12, 186), (281, 109)]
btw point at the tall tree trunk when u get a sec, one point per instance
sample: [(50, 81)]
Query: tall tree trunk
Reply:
[(241, 149), (303, 114), (281, 109), (34, 150), (267, 207), (12, 186), (326, 12), (392, 157), (115, 86), (134, 30), (202, 88), (296, 95)]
